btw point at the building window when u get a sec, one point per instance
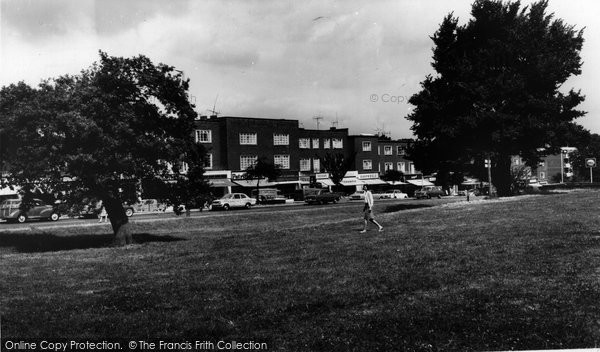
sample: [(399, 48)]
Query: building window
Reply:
[(387, 150), (203, 136), (247, 160), (338, 143), (389, 166), (281, 139), (304, 143), (402, 166), (304, 164), (283, 161), (248, 138), (316, 165), (367, 165), (327, 143), (366, 146), (315, 143), (401, 150), (209, 162)]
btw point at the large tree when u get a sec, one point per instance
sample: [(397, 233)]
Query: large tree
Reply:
[(497, 90), (121, 120)]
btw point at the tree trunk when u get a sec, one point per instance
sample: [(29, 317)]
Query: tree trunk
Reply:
[(119, 221), (501, 176)]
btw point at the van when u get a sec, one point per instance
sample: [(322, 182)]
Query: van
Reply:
[(268, 196)]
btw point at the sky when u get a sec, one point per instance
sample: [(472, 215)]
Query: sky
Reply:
[(353, 64)]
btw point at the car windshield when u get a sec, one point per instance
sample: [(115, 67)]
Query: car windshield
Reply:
[(227, 196)]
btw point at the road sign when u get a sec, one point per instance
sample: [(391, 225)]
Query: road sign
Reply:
[(590, 162)]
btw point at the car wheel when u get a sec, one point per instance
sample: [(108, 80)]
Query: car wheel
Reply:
[(129, 212), (226, 207), (54, 217), (248, 205), (21, 218)]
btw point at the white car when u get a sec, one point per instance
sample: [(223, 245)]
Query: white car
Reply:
[(393, 194), (358, 195), (233, 200)]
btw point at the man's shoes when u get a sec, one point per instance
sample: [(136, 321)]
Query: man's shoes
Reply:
[(381, 229)]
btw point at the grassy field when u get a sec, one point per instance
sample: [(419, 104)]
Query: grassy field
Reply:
[(521, 273)]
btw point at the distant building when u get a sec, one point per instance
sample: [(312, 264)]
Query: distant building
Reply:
[(234, 143)]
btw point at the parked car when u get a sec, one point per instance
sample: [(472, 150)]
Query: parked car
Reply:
[(358, 195), (268, 196), (319, 196), (144, 206), (10, 210), (92, 208), (392, 194), (429, 192), (233, 200)]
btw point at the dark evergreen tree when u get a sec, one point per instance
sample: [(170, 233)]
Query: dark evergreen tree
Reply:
[(496, 91)]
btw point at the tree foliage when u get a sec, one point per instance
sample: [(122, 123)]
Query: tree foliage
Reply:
[(260, 170), (337, 165), (496, 91), (122, 119)]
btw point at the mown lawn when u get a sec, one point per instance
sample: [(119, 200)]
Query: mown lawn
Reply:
[(522, 273)]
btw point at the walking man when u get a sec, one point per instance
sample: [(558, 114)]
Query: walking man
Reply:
[(368, 210)]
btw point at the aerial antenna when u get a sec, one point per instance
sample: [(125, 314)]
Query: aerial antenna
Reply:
[(214, 112), (317, 119), (382, 132), (336, 122)]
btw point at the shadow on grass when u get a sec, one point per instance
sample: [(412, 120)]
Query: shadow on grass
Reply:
[(401, 207), (45, 242)]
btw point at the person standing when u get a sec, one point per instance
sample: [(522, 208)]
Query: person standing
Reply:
[(368, 210), (103, 216)]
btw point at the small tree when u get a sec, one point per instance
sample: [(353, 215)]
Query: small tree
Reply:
[(337, 165), (393, 176), (262, 169), (118, 121)]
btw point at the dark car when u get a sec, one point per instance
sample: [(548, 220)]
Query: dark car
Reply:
[(10, 210), (321, 197), (429, 192)]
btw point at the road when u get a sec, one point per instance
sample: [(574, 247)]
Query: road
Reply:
[(169, 216)]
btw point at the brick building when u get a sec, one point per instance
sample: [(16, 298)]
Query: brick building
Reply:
[(234, 143)]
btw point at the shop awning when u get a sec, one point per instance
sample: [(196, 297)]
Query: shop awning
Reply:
[(352, 181), (420, 183), (287, 182), (6, 191), (471, 182), (221, 182), (396, 183), (374, 181), (252, 183), (326, 182)]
